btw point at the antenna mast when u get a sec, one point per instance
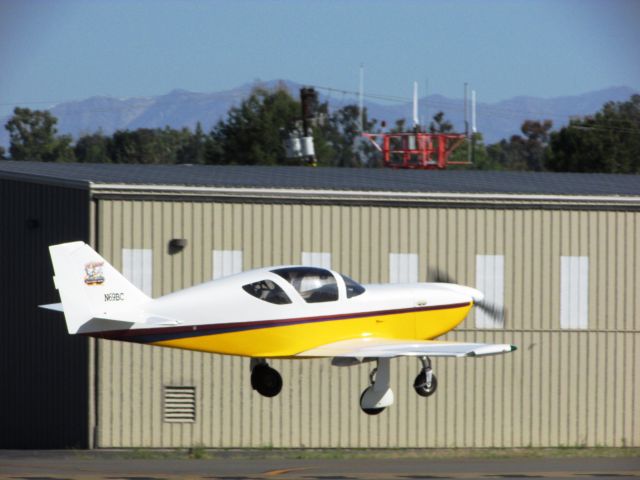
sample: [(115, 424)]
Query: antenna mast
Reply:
[(473, 126)]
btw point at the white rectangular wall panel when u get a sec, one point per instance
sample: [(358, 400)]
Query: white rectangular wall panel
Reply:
[(490, 281), (403, 267), (574, 292), (137, 267), (226, 262), (317, 259)]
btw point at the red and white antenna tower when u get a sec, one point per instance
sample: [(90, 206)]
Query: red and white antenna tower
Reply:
[(417, 149)]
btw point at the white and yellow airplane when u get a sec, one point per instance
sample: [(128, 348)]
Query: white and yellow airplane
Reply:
[(292, 312)]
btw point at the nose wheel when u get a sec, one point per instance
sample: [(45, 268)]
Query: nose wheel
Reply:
[(426, 382), (377, 396), (264, 379)]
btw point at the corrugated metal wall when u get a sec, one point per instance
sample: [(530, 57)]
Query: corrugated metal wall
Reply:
[(579, 387), (44, 372)]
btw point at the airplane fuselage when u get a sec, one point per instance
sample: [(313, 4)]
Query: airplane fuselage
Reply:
[(220, 317)]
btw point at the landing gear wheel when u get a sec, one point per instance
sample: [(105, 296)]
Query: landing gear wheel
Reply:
[(266, 380), (369, 411), (422, 388)]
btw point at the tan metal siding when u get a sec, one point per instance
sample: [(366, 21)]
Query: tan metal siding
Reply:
[(561, 387)]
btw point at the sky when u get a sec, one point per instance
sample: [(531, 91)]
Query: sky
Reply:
[(55, 51)]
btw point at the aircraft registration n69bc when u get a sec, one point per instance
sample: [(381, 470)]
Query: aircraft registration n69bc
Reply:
[(292, 312)]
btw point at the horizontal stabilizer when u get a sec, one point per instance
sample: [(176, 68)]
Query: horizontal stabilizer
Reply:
[(56, 307), (161, 321)]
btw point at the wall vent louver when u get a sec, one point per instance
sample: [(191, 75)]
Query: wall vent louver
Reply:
[(179, 404)]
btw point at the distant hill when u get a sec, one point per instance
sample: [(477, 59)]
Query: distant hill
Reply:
[(180, 108)]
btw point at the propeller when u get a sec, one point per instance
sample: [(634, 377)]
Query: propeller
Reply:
[(493, 310)]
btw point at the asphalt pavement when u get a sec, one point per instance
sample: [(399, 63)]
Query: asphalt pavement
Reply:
[(91, 465)]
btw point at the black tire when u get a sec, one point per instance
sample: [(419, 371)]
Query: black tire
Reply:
[(420, 384), (370, 411), (266, 380)]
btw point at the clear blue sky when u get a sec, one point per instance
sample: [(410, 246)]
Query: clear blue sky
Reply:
[(54, 51)]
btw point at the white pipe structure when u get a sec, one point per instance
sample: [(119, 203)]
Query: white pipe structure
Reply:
[(416, 120), (361, 98)]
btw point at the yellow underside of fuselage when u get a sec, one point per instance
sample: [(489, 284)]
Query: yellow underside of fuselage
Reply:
[(287, 341)]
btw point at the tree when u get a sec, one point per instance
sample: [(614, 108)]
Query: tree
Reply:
[(482, 156), (440, 124), (251, 134), (33, 137), (193, 149), (147, 145), (345, 145), (525, 152), (93, 148), (607, 142), (2, 153)]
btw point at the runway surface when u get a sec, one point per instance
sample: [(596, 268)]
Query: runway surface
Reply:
[(79, 465)]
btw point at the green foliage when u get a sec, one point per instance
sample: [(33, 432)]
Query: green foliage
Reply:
[(440, 124), (2, 153), (607, 142), (33, 137), (93, 148), (525, 152), (193, 147), (150, 146), (480, 155), (339, 142), (252, 133)]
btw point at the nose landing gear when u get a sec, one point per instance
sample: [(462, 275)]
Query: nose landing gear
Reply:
[(378, 395), (264, 379), (426, 382)]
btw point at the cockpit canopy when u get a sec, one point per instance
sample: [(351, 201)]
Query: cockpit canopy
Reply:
[(268, 291), (315, 285)]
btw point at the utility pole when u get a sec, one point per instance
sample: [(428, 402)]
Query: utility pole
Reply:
[(308, 100)]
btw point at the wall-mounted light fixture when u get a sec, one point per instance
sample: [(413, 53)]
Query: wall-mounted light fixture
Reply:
[(176, 245)]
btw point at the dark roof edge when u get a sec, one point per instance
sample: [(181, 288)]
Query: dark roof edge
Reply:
[(46, 180)]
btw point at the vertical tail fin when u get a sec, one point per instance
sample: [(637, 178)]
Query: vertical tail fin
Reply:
[(95, 296)]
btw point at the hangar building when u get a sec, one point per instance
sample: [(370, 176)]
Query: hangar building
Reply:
[(561, 252)]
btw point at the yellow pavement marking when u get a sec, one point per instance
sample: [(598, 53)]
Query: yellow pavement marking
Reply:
[(282, 471)]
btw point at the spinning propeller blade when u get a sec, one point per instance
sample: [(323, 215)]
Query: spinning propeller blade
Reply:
[(493, 310)]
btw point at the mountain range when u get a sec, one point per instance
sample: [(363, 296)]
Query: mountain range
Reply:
[(181, 108)]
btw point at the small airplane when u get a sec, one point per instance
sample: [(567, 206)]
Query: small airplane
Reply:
[(291, 312)]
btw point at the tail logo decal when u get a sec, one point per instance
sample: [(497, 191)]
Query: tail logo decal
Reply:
[(93, 273)]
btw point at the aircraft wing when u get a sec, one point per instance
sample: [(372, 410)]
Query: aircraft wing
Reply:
[(382, 347)]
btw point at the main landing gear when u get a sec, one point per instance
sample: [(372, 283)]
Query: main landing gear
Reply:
[(264, 379), (374, 399), (378, 395), (426, 382)]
